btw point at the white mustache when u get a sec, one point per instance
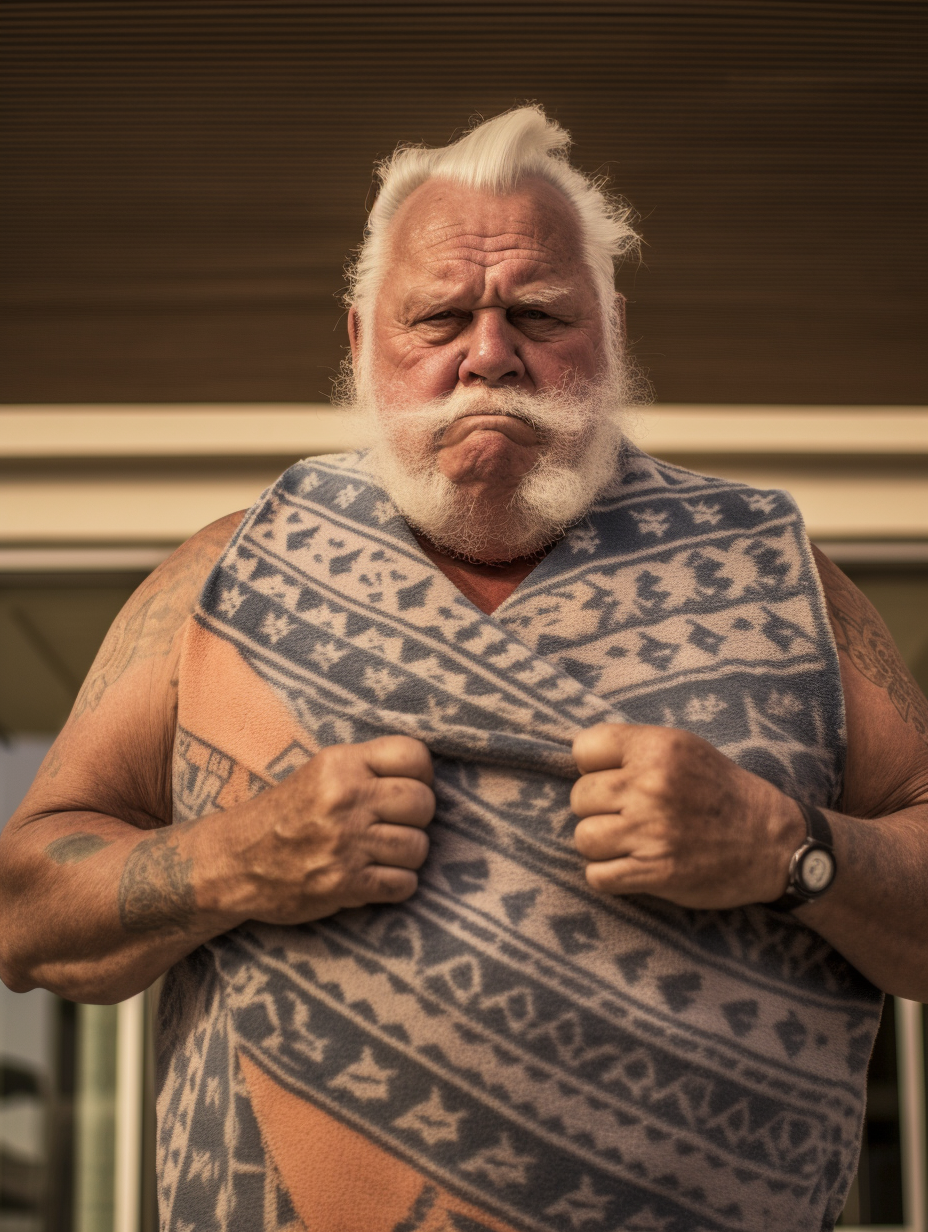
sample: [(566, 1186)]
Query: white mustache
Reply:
[(548, 413), (579, 426)]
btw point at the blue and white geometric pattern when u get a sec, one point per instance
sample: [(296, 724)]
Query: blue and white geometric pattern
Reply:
[(559, 1058)]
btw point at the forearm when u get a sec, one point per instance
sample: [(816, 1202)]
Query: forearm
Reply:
[(876, 913), (95, 909)]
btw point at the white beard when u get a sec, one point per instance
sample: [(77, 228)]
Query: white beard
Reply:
[(581, 431)]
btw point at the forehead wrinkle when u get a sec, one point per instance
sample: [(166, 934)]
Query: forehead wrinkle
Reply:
[(448, 254), (443, 264), (462, 230), (447, 275), (472, 245), (441, 257)]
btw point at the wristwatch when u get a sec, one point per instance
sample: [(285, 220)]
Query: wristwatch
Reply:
[(813, 866)]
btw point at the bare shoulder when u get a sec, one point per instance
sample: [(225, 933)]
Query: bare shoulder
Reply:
[(148, 625), (887, 713), (113, 754)]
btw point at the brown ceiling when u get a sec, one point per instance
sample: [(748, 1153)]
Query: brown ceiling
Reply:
[(182, 182)]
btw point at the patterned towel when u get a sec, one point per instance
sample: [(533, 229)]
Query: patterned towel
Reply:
[(510, 1050)]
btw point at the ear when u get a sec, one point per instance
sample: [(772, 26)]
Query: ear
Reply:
[(354, 333), (620, 303)]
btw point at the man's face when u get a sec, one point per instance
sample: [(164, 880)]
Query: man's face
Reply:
[(486, 387), (483, 292)]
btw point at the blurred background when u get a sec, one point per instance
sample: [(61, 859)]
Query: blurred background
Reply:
[(182, 184)]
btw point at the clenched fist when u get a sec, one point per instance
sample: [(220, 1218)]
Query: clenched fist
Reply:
[(343, 830), (665, 813)]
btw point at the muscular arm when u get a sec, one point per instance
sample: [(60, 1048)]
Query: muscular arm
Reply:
[(877, 912), (88, 867), (100, 893)]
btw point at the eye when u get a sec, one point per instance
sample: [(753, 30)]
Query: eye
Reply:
[(530, 316)]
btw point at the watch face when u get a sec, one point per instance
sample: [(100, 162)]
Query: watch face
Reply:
[(816, 870)]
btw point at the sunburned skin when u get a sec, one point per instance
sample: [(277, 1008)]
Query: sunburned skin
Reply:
[(488, 291), (75, 847), (149, 899), (98, 897), (156, 888), (862, 636), (880, 778)]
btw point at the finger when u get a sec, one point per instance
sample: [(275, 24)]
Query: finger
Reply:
[(601, 791), (397, 846), (406, 802), (400, 756), (604, 746), (379, 884), (624, 875), (604, 837)]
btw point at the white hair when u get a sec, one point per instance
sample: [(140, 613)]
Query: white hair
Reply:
[(495, 157)]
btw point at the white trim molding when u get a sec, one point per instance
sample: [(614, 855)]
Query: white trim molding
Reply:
[(262, 429), (129, 1114), (141, 479)]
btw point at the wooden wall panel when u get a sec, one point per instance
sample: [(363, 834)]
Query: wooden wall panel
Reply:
[(182, 182)]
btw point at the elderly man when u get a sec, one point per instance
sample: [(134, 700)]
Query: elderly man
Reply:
[(497, 619)]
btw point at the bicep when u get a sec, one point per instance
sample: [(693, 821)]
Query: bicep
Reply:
[(887, 714), (113, 756), (110, 757)]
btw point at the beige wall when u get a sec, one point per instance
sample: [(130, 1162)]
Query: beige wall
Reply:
[(138, 480)]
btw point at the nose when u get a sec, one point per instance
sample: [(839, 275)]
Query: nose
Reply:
[(490, 350)]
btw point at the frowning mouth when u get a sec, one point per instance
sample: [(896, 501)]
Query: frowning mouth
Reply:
[(517, 427)]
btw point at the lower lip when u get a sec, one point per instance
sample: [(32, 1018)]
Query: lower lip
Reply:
[(508, 425)]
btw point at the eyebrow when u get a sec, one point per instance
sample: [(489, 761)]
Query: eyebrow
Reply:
[(419, 301), (546, 295)]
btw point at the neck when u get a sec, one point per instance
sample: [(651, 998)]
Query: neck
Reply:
[(486, 583), (484, 560)]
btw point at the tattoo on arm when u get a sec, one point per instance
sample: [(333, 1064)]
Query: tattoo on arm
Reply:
[(116, 653), (146, 627), (75, 847), (51, 766), (156, 890), (863, 637)]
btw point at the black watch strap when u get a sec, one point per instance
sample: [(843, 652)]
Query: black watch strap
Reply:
[(818, 837)]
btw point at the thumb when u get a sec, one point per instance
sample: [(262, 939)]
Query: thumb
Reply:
[(606, 746)]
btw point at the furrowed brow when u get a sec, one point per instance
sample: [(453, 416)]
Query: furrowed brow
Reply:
[(420, 303), (561, 301), (546, 295)]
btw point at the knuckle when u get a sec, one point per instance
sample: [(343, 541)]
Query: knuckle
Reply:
[(328, 885), (655, 783), (596, 793), (332, 794), (331, 758), (663, 836), (679, 742), (339, 780)]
